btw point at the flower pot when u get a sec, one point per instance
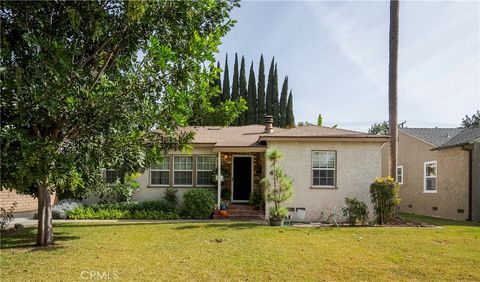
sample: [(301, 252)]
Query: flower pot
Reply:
[(276, 221), (223, 213)]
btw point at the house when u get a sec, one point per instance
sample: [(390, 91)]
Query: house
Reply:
[(325, 164), (439, 172)]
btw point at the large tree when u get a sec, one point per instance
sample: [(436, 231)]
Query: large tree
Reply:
[(226, 81), (235, 84), (282, 112), (268, 98), (242, 119), (392, 85), (381, 128), (289, 117), (471, 122), (261, 91), (77, 97), (274, 101), (252, 97)]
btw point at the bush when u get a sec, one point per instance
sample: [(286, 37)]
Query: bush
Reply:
[(6, 216), (385, 198), (257, 198), (60, 209), (99, 213), (132, 207), (357, 211), (198, 203), (170, 197)]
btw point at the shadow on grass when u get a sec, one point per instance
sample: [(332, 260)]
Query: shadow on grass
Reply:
[(26, 238), (221, 226), (438, 221)]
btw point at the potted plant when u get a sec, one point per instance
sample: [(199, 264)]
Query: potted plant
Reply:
[(278, 189), (224, 208)]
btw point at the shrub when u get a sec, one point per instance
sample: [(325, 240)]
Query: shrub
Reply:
[(131, 207), (385, 198), (257, 198), (357, 211), (170, 197), (60, 209), (6, 216), (101, 213), (198, 203)]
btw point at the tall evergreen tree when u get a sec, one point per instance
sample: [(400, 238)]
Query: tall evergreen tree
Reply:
[(268, 99), (217, 97), (243, 90), (261, 92), (226, 81), (275, 106), (235, 84), (289, 117), (252, 98), (283, 103)]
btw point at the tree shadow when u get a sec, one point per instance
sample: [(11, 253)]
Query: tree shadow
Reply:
[(26, 238), (438, 221), (221, 226)]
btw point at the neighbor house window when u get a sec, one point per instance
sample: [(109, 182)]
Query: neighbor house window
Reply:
[(159, 173), (183, 170), (430, 173), (400, 174), (205, 165), (111, 176), (323, 168)]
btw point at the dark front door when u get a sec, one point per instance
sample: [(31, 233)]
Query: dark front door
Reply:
[(242, 178)]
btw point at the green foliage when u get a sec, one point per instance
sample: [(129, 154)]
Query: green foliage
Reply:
[(261, 91), (385, 198), (289, 117), (226, 194), (357, 211), (283, 104), (6, 216), (379, 128), (278, 213), (471, 122), (120, 191), (90, 213), (236, 81), (252, 97), (198, 203), (268, 98), (275, 106), (257, 198), (281, 189), (170, 197), (320, 120), (242, 119), (226, 81)]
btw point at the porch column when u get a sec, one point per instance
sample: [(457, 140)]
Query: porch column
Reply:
[(219, 183)]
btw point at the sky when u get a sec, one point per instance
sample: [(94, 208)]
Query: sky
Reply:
[(335, 54)]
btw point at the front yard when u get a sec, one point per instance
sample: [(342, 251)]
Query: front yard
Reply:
[(243, 251)]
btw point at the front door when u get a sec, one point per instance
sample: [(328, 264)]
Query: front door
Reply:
[(242, 179)]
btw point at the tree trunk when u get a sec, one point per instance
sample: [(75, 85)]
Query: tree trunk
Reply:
[(44, 231), (392, 85)]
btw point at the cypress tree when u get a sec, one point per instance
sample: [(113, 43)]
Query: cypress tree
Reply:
[(243, 91), (235, 84), (216, 99), (268, 99), (283, 103), (261, 92), (252, 97), (289, 117), (275, 108), (226, 81), (320, 120)]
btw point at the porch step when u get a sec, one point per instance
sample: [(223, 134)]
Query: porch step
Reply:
[(241, 212), (241, 207)]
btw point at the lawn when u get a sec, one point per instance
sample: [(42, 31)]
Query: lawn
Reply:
[(244, 251)]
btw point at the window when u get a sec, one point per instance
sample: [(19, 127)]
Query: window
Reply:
[(323, 167), (430, 173), (400, 174), (111, 176), (205, 165), (182, 170), (159, 174)]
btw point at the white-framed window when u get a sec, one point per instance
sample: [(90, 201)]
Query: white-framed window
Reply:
[(323, 168), (205, 165), (400, 174), (430, 177), (183, 170), (160, 173), (111, 175)]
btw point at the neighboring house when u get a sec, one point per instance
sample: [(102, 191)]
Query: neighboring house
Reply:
[(439, 172), (325, 164)]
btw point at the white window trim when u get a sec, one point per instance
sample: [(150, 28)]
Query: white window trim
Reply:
[(334, 170), (158, 169), (174, 170), (425, 177), (202, 170), (403, 174)]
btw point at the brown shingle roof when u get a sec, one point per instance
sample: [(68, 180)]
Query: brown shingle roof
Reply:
[(250, 135)]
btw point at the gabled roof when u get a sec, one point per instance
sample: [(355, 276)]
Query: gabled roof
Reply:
[(466, 136), (314, 131), (434, 136)]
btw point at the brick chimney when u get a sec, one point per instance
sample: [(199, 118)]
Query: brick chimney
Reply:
[(268, 124)]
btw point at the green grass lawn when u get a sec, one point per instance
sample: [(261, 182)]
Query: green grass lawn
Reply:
[(244, 251)]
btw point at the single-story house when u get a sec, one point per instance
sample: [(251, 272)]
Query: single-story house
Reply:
[(439, 172), (325, 164)]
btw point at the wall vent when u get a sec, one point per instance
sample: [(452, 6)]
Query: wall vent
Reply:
[(461, 211), (410, 206), (435, 208)]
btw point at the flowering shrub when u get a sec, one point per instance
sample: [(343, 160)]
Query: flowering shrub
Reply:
[(60, 209), (385, 198)]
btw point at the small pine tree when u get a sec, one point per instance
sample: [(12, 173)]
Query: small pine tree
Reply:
[(320, 120), (226, 81), (283, 104), (252, 97), (268, 99), (275, 106), (242, 119), (290, 118), (235, 85), (261, 91)]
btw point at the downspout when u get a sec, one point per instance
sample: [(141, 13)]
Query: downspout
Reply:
[(470, 182)]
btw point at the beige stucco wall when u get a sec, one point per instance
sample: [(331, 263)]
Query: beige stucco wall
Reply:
[(358, 164), (452, 179), (476, 182)]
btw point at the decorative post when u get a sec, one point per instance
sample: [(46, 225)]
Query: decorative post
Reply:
[(219, 182)]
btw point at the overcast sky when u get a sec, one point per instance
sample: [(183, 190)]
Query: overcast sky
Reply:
[(336, 57)]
